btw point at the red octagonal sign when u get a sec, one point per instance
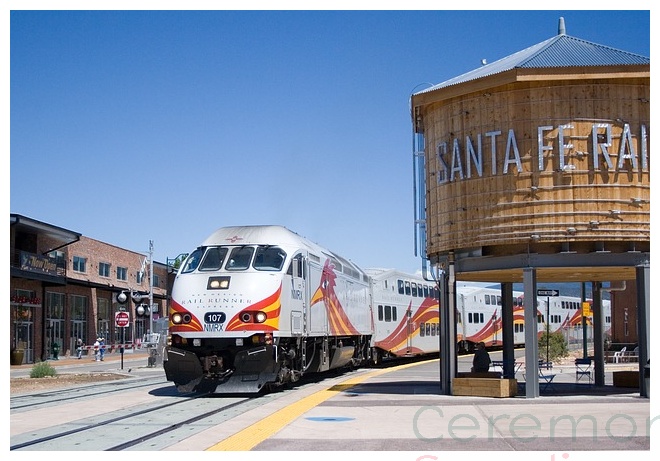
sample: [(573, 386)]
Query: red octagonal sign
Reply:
[(121, 319)]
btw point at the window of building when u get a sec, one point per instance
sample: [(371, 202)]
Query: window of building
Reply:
[(78, 307), (156, 281), (54, 305), (104, 269), (122, 273), (79, 264), (104, 322)]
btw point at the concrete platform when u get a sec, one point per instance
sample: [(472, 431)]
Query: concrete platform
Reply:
[(401, 409)]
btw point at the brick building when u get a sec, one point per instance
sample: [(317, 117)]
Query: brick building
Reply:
[(64, 285)]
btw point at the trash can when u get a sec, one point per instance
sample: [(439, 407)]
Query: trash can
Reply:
[(55, 349)]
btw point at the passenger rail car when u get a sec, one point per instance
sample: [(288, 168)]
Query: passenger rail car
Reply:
[(258, 306), (406, 315), (479, 316)]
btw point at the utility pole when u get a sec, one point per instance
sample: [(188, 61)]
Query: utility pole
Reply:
[(151, 291), (152, 345)]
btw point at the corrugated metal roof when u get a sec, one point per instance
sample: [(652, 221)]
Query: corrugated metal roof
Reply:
[(559, 51)]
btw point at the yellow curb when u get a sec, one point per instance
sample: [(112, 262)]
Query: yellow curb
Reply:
[(252, 435)]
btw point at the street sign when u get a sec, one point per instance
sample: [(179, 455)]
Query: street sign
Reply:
[(121, 319), (547, 292)]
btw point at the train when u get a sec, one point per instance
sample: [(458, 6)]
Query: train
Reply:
[(256, 307), (479, 317)]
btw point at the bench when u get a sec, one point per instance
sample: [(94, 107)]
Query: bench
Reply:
[(479, 374), (485, 387), (625, 378)]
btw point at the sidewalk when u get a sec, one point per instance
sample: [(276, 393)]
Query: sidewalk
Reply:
[(110, 361)]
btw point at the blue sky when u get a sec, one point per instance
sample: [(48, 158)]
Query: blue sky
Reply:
[(130, 126)]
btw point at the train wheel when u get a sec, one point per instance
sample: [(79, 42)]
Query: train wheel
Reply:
[(376, 357)]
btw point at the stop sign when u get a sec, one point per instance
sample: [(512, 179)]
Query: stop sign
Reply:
[(121, 319)]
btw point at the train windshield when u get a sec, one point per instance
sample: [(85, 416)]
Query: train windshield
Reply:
[(192, 261), (269, 258), (261, 258), (213, 259), (239, 259)]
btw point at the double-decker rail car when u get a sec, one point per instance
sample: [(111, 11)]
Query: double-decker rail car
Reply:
[(406, 315), (258, 306), (479, 316)]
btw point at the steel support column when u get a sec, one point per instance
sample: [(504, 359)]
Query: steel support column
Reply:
[(531, 336), (508, 356)]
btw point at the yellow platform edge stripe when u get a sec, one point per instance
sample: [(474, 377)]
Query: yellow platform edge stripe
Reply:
[(256, 433)]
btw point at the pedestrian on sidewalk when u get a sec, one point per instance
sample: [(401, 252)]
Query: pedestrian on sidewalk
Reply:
[(97, 349), (79, 347), (101, 348)]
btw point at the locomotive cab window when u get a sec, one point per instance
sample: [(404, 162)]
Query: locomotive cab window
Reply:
[(192, 261), (213, 259), (239, 259), (269, 258), (297, 266)]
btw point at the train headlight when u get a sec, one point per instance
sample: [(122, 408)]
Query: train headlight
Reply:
[(260, 317), (218, 283), (178, 318)]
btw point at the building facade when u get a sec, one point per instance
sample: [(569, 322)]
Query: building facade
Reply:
[(64, 286)]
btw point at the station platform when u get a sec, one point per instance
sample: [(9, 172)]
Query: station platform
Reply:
[(401, 409)]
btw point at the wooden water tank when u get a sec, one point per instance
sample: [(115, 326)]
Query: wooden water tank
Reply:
[(538, 160)]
